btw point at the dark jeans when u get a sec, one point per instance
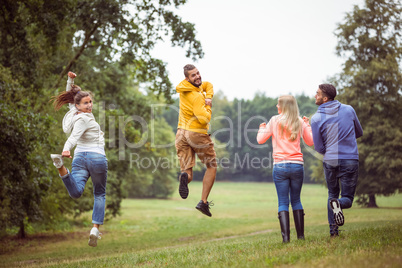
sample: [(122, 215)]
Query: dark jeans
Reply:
[(345, 172), (288, 178)]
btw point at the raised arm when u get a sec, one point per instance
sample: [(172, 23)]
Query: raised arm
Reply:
[(318, 141), (70, 83), (307, 132), (70, 80), (208, 88), (201, 111), (265, 132)]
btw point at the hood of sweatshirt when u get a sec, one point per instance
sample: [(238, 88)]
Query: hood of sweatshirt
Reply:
[(186, 86), (71, 117), (329, 108)]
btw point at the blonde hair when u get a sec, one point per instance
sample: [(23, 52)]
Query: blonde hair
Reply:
[(289, 122)]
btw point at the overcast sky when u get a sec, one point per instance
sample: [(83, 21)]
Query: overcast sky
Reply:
[(271, 46)]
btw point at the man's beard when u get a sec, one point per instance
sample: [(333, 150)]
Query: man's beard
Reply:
[(319, 102), (196, 84)]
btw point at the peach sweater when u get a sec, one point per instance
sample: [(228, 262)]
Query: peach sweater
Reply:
[(283, 148)]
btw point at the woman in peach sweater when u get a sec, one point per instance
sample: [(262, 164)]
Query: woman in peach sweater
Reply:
[(286, 130)]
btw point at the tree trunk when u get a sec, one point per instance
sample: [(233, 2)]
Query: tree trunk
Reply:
[(21, 233), (372, 203)]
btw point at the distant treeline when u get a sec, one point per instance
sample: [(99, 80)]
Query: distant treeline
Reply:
[(234, 127)]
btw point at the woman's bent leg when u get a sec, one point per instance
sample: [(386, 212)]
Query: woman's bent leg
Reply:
[(76, 180)]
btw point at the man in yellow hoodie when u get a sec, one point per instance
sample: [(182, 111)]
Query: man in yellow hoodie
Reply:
[(192, 134)]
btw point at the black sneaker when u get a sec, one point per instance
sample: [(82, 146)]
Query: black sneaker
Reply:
[(183, 187), (204, 208), (337, 210)]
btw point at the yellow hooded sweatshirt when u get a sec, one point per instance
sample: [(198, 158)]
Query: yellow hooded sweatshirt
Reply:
[(194, 115)]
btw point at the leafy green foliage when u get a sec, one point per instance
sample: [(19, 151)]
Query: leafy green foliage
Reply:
[(371, 82), (108, 44), (23, 182)]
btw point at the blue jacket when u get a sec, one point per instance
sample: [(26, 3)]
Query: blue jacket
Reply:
[(335, 128)]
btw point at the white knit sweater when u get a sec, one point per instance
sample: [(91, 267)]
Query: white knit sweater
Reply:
[(85, 131)]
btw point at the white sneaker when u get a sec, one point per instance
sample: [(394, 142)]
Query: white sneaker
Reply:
[(57, 160), (94, 235), (337, 210)]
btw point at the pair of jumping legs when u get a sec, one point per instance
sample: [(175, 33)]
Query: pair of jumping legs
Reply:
[(188, 144), (85, 165)]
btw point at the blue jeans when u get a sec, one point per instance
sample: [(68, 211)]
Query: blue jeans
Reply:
[(85, 165), (346, 172), (288, 178)]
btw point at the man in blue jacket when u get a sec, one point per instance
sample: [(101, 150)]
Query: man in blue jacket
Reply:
[(335, 129)]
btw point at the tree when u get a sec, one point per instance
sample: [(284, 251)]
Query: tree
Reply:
[(371, 81), (47, 33), (108, 43), (22, 183)]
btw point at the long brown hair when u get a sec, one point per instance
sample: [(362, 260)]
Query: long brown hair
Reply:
[(290, 122), (73, 96)]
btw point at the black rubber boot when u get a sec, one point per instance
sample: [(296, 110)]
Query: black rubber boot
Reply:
[(298, 216), (283, 217)]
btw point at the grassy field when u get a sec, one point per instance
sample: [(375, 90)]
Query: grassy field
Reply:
[(243, 232)]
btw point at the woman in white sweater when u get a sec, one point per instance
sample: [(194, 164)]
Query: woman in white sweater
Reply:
[(89, 155)]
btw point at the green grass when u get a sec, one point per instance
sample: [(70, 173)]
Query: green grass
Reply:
[(243, 232)]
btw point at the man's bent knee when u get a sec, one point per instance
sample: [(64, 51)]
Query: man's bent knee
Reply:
[(189, 173), (211, 165), (346, 202)]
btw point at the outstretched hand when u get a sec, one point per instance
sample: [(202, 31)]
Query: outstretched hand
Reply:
[(66, 154), (72, 75)]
